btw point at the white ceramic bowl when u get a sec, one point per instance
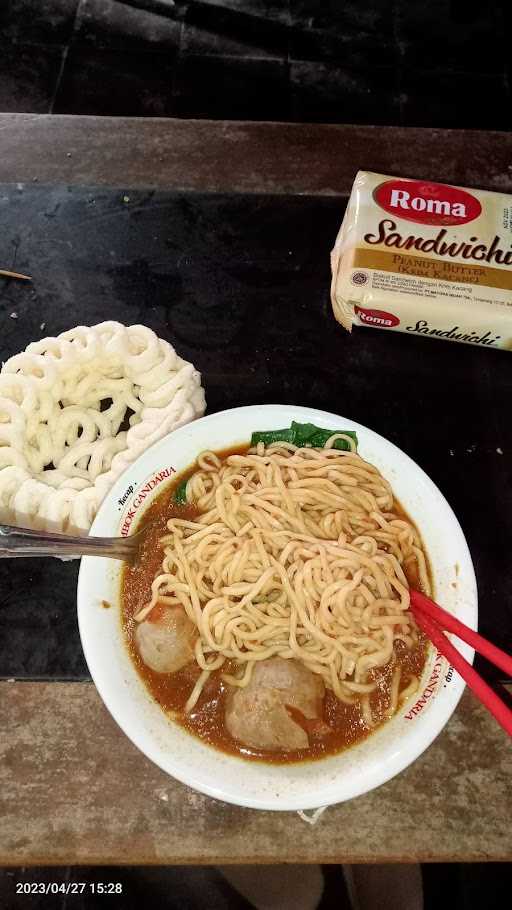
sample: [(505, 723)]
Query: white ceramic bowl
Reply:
[(255, 784)]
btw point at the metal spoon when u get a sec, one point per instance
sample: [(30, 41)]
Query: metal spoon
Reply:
[(23, 542)]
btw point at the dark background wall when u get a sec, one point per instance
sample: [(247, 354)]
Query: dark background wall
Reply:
[(443, 63)]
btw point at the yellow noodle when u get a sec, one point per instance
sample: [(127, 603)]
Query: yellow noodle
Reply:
[(296, 553), (411, 689), (395, 687)]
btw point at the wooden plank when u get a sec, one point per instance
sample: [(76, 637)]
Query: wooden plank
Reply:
[(223, 156), (74, 790)]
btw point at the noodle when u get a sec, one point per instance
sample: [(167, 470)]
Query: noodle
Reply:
[(395, 686), (296, 553), (410, 690)]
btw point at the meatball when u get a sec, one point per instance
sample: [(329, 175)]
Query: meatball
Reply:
[(165, 640), (258, 715)]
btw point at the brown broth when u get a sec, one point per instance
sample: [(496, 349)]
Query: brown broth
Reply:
[(207, 718)]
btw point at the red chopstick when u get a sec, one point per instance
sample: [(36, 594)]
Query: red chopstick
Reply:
[(425, 617), (451, 624)]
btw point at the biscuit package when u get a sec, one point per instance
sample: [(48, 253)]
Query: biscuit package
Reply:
[(425, 259)]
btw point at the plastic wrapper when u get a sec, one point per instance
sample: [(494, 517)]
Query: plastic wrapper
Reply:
[(425, 259)]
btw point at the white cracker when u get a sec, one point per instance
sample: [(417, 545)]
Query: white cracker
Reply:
[(50, 400)]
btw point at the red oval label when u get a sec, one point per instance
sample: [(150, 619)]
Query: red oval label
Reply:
[(378, 318), (427, 203)]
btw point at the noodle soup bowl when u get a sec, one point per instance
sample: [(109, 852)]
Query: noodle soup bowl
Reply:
[(258, 784)]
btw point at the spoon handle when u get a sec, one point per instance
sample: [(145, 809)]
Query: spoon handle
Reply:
[(15, 542)]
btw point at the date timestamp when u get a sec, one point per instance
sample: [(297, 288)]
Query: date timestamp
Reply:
[(69, 888)]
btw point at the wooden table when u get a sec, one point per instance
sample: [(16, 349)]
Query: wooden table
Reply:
[(73, 790)]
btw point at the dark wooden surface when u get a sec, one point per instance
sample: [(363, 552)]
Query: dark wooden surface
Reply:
[(215, 156), (74, 790), (244, 217), (239, 284)]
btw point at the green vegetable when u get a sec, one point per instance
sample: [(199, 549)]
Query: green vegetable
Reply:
[(268, 436), (180, 493), (303, 435)]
